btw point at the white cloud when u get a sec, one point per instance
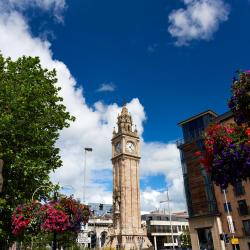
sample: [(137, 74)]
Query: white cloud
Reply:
[(104, 87), (152, 48), (93, 127), (151, 200), (199, 20), (55, 6)]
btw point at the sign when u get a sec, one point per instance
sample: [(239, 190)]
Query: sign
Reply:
[(83, 238), (235, 241), (230, 224), (224, 237)]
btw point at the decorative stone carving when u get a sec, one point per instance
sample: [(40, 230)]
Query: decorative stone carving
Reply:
[(117, 204)]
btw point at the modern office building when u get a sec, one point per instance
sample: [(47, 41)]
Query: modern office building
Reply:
[(204, 218), (208, 216), (159, 229)]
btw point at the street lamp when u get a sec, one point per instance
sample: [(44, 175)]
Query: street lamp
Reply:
[(43, 186), (84, 227), (85, 166), (229, 218), (170, 219)]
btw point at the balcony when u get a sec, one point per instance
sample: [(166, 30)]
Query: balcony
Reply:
[(193, 136), (180, 142)]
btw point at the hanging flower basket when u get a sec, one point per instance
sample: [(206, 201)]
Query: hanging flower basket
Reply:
[(66, 214), (26, 219), (226, 154), (240, 100)]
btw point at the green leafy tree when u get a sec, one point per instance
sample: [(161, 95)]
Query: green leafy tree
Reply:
[(31, 116), (185, 239)]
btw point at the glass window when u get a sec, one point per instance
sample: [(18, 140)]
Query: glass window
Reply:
[(168, 239), (243, 208), (174, 229), (205, 238), (227, 205), (239, 189), (184, 167), (246, 224), (182, 155)]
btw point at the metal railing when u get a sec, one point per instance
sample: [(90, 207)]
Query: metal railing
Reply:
[(194, 136)]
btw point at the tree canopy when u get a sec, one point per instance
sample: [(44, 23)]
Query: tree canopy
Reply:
[(31, 117)]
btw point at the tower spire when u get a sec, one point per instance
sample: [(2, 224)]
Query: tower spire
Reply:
[(124, 120)]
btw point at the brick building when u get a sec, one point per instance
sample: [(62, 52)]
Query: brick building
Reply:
[(205, 201)]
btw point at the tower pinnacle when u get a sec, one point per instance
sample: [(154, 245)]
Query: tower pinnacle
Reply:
[(124, 121)]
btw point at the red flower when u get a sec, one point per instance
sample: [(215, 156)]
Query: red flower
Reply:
[(248, 132), (198, 153)]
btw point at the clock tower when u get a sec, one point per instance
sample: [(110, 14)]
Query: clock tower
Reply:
[(127, 232)]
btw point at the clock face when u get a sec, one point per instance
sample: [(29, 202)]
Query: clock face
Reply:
[(118, 147), (130, 147)]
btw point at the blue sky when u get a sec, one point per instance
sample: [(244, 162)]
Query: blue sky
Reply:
[(169, 59), (128, 44)]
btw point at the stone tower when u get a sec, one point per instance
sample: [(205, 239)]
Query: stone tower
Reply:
[(127, 232)]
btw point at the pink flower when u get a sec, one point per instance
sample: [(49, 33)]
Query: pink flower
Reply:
[(198, 153)]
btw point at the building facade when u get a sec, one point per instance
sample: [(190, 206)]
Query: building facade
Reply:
[(127, 232), (100, 209), (208, 215), (238, 202), (160, 233), (204, 217)]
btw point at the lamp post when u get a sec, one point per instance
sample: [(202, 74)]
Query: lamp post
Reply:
[(229, 217), (84, 229), (84, 172), (54, 233), (170, 219)]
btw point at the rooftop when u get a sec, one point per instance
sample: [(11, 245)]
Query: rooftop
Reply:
[(211, 112)]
